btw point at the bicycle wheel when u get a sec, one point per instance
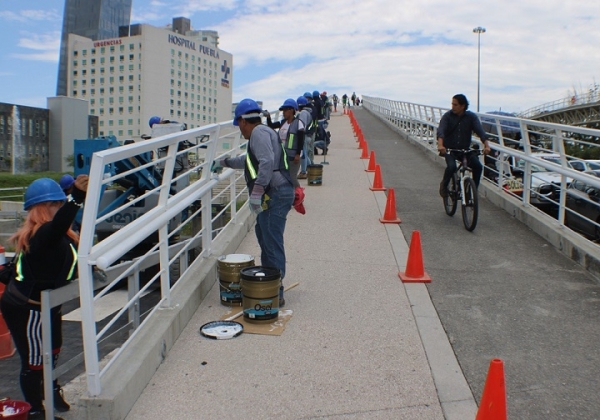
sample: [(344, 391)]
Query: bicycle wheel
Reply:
[(450, 200), (470, 209)]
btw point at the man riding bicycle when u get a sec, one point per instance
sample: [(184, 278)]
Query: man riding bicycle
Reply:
[(454, 132)]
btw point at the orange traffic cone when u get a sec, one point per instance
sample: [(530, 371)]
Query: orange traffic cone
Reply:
[(493, 399), (377, 181), (389, 216), (415, 271), (365, 151), (372, 163)]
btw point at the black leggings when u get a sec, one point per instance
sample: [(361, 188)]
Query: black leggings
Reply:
[(25, 325)]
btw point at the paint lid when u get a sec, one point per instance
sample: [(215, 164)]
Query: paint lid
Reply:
[(258, 273), (221, 330)]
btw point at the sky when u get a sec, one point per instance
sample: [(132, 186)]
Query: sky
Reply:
[(424, 52)]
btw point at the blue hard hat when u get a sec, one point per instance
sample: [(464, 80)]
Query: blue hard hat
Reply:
[(247, 107), (289, 103), (308, 95), (301, 101), (316, 94), (66, 181), (154, 120), (43, 190)]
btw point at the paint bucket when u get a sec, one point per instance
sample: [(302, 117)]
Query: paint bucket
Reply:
[(14, 410), (260, 293), (228, 271), (315, 174)]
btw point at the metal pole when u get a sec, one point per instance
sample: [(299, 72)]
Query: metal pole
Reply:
[(479, 30)]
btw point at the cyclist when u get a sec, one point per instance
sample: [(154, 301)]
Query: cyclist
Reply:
[(454, 132)]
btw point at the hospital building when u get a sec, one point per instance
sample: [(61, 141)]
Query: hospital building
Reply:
[(173, 72)]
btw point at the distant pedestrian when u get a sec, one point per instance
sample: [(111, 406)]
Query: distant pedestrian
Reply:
[(335, 102), (344, 101)]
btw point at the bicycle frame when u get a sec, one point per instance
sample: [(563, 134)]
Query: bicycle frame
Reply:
[(465, 191)]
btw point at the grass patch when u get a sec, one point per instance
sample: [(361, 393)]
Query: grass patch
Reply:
[(8, 180)]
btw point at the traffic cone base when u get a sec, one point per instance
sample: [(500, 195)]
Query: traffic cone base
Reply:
[(415, 271), (493, 399), (389, 215)]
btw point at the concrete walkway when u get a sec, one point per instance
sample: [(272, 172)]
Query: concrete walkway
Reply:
[(360, 344)]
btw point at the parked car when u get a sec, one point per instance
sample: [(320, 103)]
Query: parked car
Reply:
[(545, 184), (593, 164), (584, 202)]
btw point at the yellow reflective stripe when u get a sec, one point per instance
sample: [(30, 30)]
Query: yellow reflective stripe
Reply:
[(19, 265), (18, 268), (71, 271), (290, 141), (250, 167), (285, 162)]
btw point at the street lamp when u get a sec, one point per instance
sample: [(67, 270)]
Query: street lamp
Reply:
[(479, 30)]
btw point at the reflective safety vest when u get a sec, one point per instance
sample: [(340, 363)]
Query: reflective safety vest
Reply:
[(291, 143), (70, 274), (251, 169)]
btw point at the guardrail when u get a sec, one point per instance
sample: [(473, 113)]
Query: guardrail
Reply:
[(519, 146), (177, 230), (591, 97)]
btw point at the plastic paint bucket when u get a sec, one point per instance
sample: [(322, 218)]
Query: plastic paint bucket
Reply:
[(228, 271), (315, 174), (260, 293)]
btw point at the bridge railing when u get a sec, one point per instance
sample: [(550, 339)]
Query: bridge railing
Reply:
[(592, 96), (157, 234), (530, 159)]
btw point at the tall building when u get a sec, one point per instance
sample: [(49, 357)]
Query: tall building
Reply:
[(174, 73), (93, 19)]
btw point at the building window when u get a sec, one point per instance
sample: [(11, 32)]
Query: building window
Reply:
[(112, 59), (121, 58), (131, 57)]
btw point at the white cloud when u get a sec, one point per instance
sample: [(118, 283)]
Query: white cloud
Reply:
[(29, 15), (424, 52), (45, 47)]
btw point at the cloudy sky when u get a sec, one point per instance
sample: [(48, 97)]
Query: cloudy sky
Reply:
[(533, 51)]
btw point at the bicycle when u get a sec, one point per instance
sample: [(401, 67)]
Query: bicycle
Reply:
[(462, 188)]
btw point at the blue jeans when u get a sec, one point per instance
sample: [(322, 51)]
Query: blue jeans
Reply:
[(270, 226), (306, 160)]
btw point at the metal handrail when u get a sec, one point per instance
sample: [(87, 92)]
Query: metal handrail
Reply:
[(510, 136)]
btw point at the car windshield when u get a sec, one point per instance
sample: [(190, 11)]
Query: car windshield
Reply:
[(594, 165)]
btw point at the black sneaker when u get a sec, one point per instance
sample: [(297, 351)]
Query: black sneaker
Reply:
[(59, 401), (443, 190), (316, 151)]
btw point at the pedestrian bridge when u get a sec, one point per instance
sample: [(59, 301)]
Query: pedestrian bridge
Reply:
[(360, 343)]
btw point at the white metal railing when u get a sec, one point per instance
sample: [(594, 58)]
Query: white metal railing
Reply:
[(592, 96), (517, 145), (176, 226)]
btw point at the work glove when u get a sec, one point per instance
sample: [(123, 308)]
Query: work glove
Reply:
[(256, 198), (217, 165)]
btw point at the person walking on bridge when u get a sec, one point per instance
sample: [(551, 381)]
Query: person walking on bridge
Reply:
[(268, 180), (454, 132)]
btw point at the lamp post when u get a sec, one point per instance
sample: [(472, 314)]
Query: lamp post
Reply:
[(479, 30)]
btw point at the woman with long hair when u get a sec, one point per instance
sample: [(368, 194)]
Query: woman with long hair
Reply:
[(46, 258)]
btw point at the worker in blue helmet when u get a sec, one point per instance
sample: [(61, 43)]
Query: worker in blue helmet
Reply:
[(306, 116), (268, 180), (66, 183), (46, 258), (291, 133)]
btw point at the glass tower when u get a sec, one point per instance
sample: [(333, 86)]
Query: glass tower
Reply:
[(94, 19)]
